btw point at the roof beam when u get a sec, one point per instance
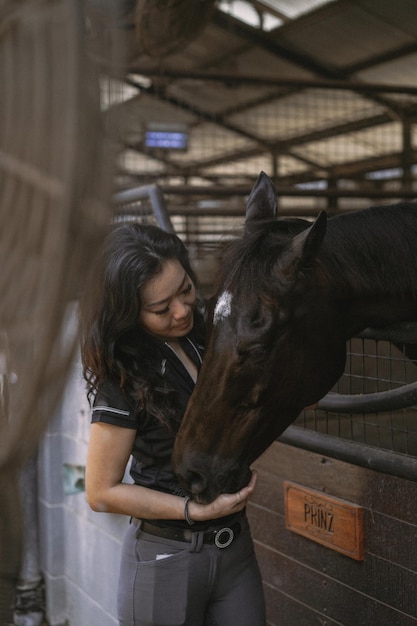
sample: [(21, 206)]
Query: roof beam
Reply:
[(267, 41)]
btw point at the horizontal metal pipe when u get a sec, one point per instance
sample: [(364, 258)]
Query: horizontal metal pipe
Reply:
[(392, 463), (241, 79), (402, 332), (378, 402), (218, 191)]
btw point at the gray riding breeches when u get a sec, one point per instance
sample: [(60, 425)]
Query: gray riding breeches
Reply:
[(176, 583)]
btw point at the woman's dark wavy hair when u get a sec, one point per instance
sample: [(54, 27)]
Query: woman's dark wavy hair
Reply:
[(113, 344)]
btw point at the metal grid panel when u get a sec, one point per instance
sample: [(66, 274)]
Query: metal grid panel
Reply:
[(371, 366)]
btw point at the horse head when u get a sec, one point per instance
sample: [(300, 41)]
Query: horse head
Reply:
[(275, 345)]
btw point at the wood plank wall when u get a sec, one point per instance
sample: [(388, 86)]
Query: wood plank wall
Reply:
[(307, 584)]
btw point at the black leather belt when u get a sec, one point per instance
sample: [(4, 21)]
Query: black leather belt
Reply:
[(221, 536)]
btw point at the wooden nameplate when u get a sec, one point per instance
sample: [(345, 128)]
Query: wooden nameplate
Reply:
[(332, 522)]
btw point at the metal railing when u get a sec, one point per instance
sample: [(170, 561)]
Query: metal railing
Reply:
[(370, 417)]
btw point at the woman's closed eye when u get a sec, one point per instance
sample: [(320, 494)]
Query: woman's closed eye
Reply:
[(184, 292), (163, 312), (187, 289)]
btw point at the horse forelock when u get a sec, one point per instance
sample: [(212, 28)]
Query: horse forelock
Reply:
[(247, 262)]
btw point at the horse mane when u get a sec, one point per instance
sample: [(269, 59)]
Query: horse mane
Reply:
[(373, 249)]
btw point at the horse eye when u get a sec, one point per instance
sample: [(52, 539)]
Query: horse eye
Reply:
[(247, 406), (242, 355), (257, 351), (257, 323), (252, 352), (252, 400)]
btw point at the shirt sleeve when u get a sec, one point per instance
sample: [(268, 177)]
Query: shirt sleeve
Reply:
[(111, 407)]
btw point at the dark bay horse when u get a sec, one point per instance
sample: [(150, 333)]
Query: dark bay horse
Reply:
[(292, 293)]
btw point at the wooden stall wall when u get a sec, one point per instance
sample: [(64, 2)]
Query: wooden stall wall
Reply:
[(307, 584)]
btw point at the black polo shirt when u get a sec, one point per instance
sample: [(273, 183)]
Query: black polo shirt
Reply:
[(151, 454)]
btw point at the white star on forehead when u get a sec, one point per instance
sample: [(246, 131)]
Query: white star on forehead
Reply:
[(223, 307)]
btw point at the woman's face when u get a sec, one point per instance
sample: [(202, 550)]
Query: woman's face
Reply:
[(168, 302)]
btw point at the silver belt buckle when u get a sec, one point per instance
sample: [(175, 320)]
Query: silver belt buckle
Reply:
[(224, 537)]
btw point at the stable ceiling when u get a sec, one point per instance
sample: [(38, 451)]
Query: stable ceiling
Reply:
[(312, 92)]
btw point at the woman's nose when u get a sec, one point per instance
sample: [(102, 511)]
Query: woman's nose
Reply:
[(180, 309)]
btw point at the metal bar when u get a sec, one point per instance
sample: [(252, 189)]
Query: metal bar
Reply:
[(251, 79), (221, 191), (402, 332), (380, 401), (392, 463), (155, 195)]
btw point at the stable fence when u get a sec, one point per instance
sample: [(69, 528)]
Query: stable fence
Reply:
[(370, 417)]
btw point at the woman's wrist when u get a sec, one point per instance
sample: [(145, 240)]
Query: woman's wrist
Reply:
[(187, 515)]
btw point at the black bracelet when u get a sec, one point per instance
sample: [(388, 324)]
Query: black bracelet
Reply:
[(188, 519)]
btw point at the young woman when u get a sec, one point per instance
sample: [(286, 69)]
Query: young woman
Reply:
[(183, 563)]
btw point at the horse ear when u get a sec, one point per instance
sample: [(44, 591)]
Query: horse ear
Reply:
[(262, 201), (302, 249)]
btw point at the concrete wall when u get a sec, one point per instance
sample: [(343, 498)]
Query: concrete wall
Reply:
[(79, 549)]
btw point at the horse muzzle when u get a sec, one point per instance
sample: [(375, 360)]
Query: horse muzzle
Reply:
[(205, 478)]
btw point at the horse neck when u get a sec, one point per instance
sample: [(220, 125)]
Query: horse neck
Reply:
[(371, 266)]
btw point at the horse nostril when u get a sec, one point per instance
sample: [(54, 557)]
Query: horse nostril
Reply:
[(191, 473), (197, 483)]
